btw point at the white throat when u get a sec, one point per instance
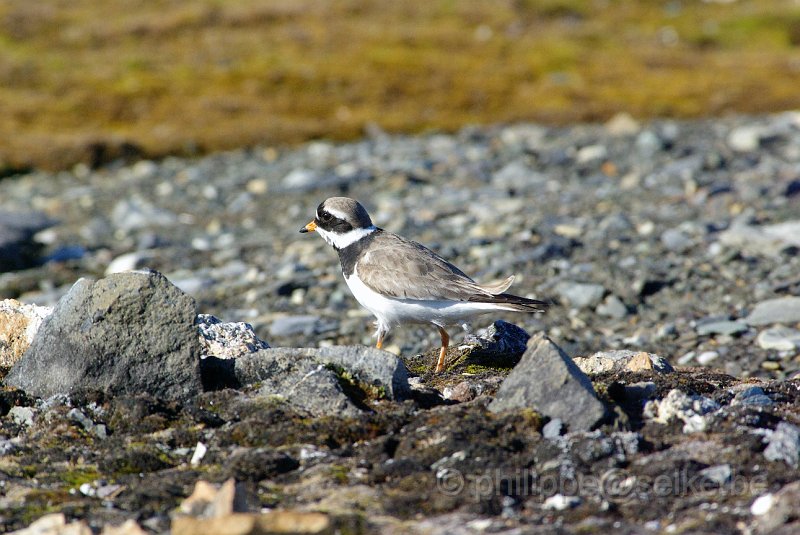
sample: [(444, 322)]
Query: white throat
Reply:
[(340, 241)]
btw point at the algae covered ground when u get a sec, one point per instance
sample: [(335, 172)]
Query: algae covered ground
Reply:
[(90, 81)]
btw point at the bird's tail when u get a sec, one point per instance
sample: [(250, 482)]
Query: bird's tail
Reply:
[(516, 303), (506, 301)]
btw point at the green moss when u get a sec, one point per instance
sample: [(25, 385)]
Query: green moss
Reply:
[(340, 474), (79, 476)]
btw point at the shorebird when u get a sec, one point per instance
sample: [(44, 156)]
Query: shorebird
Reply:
[(401, 281)]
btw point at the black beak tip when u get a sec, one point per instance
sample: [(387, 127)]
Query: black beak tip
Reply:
[(303, 230)]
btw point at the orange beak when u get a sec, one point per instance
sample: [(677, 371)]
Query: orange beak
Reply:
[(311, 227)]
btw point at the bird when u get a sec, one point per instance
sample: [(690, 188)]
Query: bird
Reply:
[(401, 281)]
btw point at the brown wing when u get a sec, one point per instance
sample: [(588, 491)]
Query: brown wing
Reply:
[(398, 267)]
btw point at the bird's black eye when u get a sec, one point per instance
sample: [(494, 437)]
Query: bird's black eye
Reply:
[(325, 217)]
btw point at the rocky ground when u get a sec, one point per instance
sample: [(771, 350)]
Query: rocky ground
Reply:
[(669, 248)]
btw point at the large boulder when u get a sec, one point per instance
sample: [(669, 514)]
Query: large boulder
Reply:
[(547, 381), (124, 334)]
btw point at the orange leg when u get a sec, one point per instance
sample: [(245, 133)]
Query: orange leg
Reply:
[(443, 351)]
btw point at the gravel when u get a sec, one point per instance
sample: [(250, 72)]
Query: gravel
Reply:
[(670, 239)]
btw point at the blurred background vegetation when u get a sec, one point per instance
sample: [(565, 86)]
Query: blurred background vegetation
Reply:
[(92, 80)]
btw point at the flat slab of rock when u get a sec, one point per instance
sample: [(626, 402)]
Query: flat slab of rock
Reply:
[(125, 334), (312, 379), (548, 381), (780, 310)]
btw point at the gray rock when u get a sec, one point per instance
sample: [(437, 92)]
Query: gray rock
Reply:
[(125, 334), (544, 378), (77, 416), (766, 240), (612, 307), (783, 444), (17, 248), (553, 428), (312, 378), (226, 340), (677, 405), (367, 365), (707, 357), (676, 240), (779, 310), (305, 325), (22, 415), (304, 383), (500, 341), (720, 326), (779, 338), (579, 294), (719, 474), (774, 510), (746, 138), (752, 395), (517, 175), (136, 213)]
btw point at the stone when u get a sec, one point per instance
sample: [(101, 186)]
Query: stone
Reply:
[(745, 138), (691, 410), (751, 395), (707, 357), (312, 378), (779, 338), (622, 359), (560, 502), (381, 370), (136, 213), (210, 501), (226, 340), (22, 415), (544, 377), (579, 294), (518, 176), (284, 522), (622, 124), (612, 307), (129, 527), (783, 444), (762, 240), (676, 240), (125, 334), (18, 250), (502, 343), (591, 153), (55, 524), (462, 392), (719, 474), (19, 323), (774, 510), (779, 310), (721, 326), (306, 325), (553, 429), (129, 262)]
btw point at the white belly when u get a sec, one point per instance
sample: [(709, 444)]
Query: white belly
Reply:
[(392, 312)]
